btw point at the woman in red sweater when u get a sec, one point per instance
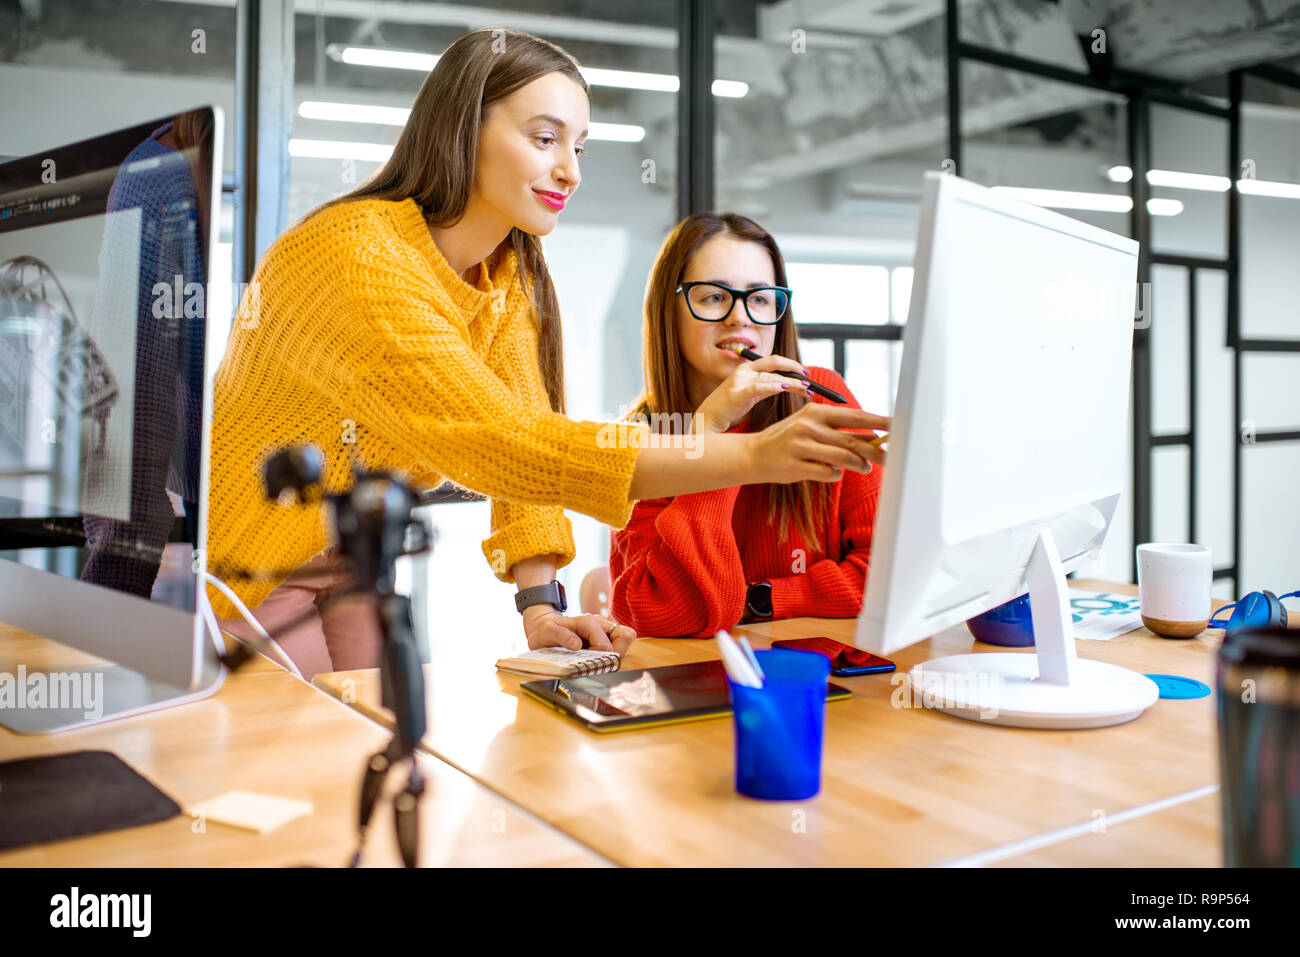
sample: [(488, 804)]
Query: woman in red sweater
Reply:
[(694, 564)]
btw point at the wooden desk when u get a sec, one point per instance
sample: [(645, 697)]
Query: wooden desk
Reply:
[(901, 786), (1186, 834), (269, 732)]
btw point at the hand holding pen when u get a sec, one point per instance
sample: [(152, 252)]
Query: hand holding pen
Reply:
[(765, 376), (797, 373), (751, 383)]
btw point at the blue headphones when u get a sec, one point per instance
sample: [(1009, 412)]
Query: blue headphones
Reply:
[(1256, 610)]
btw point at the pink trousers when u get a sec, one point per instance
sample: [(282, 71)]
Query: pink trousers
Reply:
[(337, 636)]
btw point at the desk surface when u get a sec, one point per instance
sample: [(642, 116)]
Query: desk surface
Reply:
[(269, 732), (1186, 834), (901, 786)]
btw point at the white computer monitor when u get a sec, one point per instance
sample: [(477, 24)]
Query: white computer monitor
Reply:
[(106, 265), (1008, 453)]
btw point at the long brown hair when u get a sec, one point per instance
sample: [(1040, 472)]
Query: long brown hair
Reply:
[(664, 366), (434, 160)]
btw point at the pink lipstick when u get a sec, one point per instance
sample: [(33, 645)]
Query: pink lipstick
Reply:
[(553, 200)]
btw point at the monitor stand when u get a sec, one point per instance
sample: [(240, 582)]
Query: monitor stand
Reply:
[(112, 692), (1051, 688)]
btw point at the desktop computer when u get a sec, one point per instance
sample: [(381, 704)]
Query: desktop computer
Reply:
[(1007, 455), (106, 254)]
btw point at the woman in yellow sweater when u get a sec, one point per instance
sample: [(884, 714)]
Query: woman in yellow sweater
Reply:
[(413, 323)]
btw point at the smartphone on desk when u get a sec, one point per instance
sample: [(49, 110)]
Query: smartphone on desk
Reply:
[(846, 661)]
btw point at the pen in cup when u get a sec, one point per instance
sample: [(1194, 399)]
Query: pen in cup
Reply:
[(751, 657), (760, 722), (736, 664)]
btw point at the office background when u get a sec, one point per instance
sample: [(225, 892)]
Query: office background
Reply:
[(817, 118)]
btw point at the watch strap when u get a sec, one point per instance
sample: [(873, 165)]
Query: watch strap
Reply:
[(552, 593)]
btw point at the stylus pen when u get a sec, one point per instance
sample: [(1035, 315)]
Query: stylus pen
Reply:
[(752, 658), (734, 662), (813, 387)]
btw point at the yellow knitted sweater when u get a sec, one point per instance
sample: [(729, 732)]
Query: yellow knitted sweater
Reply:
[(357, 335)]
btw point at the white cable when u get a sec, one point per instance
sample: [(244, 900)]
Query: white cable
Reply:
[(247, 615)]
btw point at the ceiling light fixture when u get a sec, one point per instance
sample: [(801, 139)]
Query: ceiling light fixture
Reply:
[(395, 116), (625, 79)]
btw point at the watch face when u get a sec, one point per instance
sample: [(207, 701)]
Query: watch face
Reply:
[(760, 599)]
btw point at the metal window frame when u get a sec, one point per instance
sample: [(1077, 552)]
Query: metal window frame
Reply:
[(264, 54), (697, 29), (1240, 345), (840, 334)]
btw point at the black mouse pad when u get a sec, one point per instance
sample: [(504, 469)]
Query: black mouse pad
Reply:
[(58, 796)]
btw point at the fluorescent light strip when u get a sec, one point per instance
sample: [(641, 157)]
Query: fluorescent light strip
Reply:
[(1213, 184), (1097, 202), (625, 79), (339, 149), (1172, 178), (1164, 207), (391, 59), (630, 80), (394, 116), (353, 113), (1263, 187), (1177, 180), (616, 132), (732, 89)]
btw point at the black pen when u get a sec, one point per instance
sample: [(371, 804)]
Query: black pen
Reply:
[(814, 387)]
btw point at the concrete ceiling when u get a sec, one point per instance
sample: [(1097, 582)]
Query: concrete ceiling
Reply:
[(822, 110), (869, 82)]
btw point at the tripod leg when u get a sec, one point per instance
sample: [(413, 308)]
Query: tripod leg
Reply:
[(372, 786), (401, 673), (406, 815)]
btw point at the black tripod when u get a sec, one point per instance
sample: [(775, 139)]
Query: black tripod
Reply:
[(374, 527)]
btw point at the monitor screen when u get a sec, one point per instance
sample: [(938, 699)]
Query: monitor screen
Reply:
[(103, 283)]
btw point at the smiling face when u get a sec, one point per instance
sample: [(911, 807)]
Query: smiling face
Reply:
[(739, 264), (528, 154)]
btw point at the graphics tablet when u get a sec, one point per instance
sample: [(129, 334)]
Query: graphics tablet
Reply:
[(645, 697)]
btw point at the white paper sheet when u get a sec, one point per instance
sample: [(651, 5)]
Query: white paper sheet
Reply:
[(1101, 615)]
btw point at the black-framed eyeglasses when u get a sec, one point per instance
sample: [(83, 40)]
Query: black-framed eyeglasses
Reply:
[(712, 302)]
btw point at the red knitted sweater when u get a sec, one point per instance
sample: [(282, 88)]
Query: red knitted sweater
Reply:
[(682, 565)]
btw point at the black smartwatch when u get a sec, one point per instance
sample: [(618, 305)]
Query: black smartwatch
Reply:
[(758, 601), (552, 593)]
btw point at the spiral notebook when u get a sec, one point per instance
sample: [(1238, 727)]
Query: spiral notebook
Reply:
[(560, 663)]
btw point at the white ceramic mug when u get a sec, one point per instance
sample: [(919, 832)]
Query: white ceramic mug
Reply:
[(1174, 584)]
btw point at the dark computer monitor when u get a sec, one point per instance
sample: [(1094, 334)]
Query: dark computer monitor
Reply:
[(106, 251)]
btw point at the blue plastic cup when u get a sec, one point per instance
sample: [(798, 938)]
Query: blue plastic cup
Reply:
[(780, 726)]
